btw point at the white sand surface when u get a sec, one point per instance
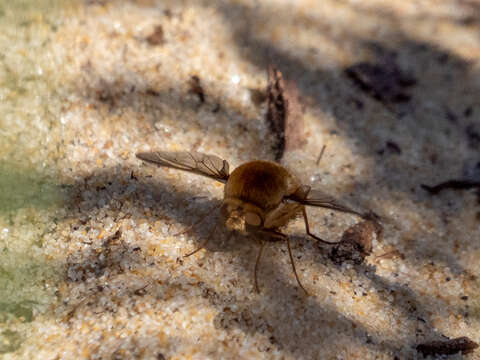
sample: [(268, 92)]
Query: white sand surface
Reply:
[(90, 267)]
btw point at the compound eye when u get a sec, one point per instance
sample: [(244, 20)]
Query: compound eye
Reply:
[(253, 219)]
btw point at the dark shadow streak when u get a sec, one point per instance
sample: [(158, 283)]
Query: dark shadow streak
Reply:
[(260, 53), (115, 187), (417, 55)]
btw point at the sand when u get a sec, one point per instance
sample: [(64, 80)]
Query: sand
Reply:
[(90, 263)]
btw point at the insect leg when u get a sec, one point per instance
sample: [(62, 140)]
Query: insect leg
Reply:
[(283, 236), (293, 265), (204, 242), (198, 221), (307, 228), (262, 244)]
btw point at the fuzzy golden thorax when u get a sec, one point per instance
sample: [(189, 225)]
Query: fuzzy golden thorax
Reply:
[(255, 190)]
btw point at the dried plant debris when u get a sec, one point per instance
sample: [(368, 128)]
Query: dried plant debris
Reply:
[(95, 261), (473, 136), (196, 88), (385, 81), (451, 116), (157, 37), (392, 254), (356, 243), (452, 184), (284, 113), (468, 111), (258, 96), (391, 147), (447, 347), (320, 155)]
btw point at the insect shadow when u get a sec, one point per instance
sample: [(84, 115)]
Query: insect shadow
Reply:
[(127, 195)]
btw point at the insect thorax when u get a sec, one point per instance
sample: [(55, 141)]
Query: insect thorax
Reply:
[(261, 183)]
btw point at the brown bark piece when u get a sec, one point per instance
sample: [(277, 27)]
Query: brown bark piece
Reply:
[(157, 37), (196, 88), (451, 184), (284, 114), (385, 81), (356, 243), (447, 347)]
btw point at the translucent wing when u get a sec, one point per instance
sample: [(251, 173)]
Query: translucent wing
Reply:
[(198, 163), (313, 197)]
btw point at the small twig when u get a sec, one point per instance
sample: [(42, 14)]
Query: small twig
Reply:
[(72, 312), (141, 291), (203, 217), (321, 154), (451, 184), (390, 255), (447, 347)]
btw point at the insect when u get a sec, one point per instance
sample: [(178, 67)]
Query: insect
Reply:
[(260, 196)]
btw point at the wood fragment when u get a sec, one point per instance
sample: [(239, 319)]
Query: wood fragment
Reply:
[(157, 37), (284, 114), (196, 88), (451, 184), (384, 81), (321, 154), (447, 347), (391, 147), (141, 291)]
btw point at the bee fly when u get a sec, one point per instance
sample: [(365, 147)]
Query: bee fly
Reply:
[(262, 196)]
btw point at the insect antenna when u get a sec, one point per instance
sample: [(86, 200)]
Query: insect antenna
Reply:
[(307, 229), (262, 244), (204, 243), (203, 217), (281, 236), (293, 265)]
